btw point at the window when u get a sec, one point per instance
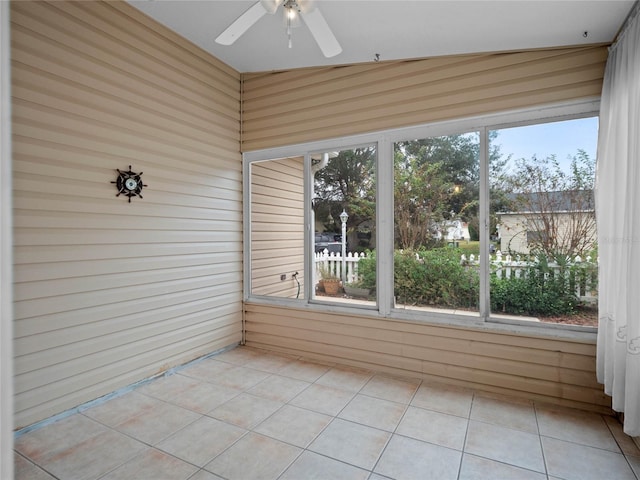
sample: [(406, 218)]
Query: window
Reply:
[(459, 221), (543, 214), (436, 200), (343, 185), (343, 220)]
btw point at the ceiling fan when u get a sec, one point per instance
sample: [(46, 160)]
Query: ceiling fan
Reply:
[(293, 11)]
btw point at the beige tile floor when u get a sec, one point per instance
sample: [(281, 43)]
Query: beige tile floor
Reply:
[(247, 414)]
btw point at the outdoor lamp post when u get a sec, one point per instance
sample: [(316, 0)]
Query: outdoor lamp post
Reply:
[(343, 219)]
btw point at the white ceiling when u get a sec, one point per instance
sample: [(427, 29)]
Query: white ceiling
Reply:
[(394, 29)]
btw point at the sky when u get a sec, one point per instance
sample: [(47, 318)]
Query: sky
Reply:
[(560, 138)]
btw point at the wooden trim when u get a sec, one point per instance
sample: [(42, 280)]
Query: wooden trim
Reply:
[(6, 264)]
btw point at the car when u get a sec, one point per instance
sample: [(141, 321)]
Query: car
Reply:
[(334, 247), (329, 241)]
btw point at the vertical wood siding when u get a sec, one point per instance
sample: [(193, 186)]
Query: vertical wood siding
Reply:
[(109, 292), (277, 227), (297, 106), (543, 369)]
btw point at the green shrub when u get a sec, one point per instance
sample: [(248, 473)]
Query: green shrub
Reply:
[(367, 271), (540, 292), (437, 277), (434, 277)]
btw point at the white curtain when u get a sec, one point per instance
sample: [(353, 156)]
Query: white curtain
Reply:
[(618, 219)]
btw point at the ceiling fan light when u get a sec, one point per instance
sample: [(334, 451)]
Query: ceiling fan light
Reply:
[(270, 5), (291, 15), (305, 6)]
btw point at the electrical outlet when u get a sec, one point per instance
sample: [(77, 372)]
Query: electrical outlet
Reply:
[(283, 277)]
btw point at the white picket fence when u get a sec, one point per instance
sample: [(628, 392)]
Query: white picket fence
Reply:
[(581, 273), (332, 262), (584, 275)]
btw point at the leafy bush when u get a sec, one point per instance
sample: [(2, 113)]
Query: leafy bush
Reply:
[(437, 277), (367, 271), (540, 292)]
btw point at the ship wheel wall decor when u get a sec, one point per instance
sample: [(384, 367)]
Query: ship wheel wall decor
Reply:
[(129, 184)]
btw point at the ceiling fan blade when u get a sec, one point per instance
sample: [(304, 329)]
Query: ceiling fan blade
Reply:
[(320, 30), (242, 24)]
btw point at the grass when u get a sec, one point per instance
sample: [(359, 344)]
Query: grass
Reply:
[(472, 247), (468, 248)]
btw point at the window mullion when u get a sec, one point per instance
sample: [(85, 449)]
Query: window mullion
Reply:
[(485, 302), (309, 220), (385, 226)]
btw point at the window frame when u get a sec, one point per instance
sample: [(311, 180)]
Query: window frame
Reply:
[(384, 142), (310, 226)]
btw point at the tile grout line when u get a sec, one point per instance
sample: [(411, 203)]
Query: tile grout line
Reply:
[(615, 438), (148, 445), (36, 465), (336, 417), (544, 457), (115, 394), (466, 434), (252, 429), (156, 447), (333, 417), (396, 427)]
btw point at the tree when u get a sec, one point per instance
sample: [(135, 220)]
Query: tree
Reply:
[(442, 175), (436, 180), (558, 205), (346, 182), (420, 192)]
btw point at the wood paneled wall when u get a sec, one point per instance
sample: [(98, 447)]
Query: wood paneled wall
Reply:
[(277, 227), (109, 292), (297, 106), (545, 369), (287, 108)]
